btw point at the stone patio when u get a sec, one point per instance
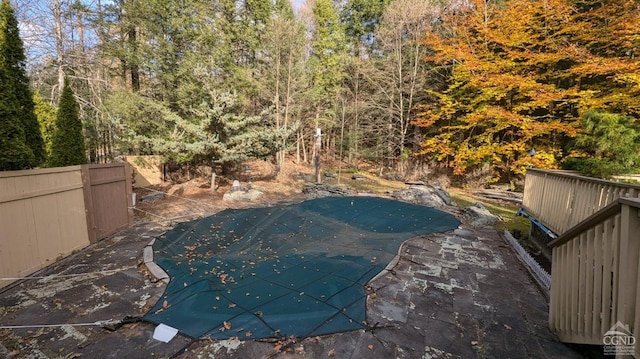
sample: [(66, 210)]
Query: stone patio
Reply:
[(462, 294)]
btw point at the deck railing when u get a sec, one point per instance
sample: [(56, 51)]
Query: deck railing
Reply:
[(596, 282), (560, 199)]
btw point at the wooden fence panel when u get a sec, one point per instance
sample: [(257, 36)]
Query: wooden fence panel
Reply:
[(42, 218), (108, 197), (46, 214), (147, 170)]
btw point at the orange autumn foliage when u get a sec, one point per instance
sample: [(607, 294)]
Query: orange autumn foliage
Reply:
[(520, 73)]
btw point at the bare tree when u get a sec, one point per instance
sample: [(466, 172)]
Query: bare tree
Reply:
[(286, 43), (401, 72)]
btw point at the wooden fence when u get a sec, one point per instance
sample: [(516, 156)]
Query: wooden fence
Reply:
[(108, 199), (46, 214), (561, 199), (596, 277), (147, 170)]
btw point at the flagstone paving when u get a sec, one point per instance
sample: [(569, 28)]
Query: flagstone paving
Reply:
[(461, 294)]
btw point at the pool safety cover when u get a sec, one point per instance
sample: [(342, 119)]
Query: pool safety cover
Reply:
[(298, 270)]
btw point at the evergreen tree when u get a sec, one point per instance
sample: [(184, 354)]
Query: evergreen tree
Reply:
[(361, 18), (328, 52), (67, 145), (215, 129), (21, 145), (46, 115), (14, 153), (608, 146), (13, 54)]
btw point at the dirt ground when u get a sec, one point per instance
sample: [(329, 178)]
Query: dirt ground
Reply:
[(194, 197)]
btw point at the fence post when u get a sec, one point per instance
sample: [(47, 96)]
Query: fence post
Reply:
[(85, 172), (316, 153), (128, 170), (628, 269)]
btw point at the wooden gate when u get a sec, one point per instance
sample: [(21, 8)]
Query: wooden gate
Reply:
[(107, 197)]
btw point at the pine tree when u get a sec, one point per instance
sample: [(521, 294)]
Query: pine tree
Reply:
[(67, 146), (46, 115), (14, 60), (14, 153), (328, 51), (361, 19), (21, 144), (608, 146)]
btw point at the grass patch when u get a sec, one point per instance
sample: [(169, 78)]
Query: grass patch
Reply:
[(371, 184), (505, 210)]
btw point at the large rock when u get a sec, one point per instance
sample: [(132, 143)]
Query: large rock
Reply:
[(242, 194), (318, 190), (428, 195), (479, 216), (152, 197)]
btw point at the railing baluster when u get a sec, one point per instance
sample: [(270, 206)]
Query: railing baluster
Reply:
[(598, 249)]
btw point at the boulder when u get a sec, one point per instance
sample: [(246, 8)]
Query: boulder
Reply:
[(479, 216), (242, 194), (152, 197), (428, 195), (318, 190), (303, 177)]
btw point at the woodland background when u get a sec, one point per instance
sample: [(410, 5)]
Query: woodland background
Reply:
[(478, 90)]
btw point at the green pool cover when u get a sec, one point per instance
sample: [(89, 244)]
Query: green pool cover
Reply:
[(298, 270)]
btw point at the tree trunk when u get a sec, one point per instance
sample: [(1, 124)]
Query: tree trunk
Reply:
[(298, 144), (133, 65), (316, 154), (57, 18), (344, 110), (280, 153), (213, 178), (304, 147), (355, 122), (80, 26)]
